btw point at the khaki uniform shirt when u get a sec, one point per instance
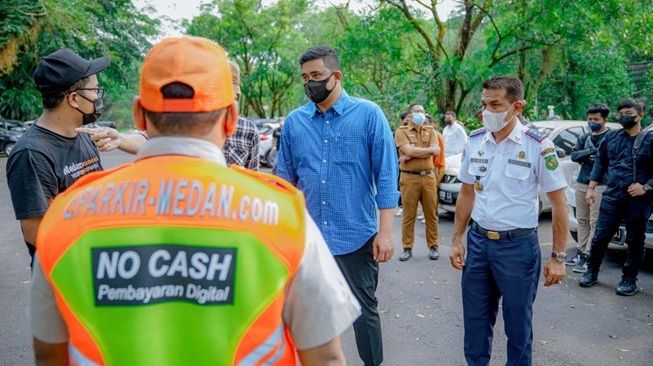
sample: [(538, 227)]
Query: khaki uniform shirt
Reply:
[(418, 136)]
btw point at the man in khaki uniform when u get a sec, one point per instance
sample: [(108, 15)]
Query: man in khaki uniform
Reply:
[(417, 145)]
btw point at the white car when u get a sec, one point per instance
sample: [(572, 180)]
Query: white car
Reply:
[(564, 135)]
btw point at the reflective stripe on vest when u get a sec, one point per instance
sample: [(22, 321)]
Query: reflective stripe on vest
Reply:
[(186, 264)]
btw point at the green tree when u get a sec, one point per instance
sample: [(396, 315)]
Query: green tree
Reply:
[(264, 41), (112, 28)]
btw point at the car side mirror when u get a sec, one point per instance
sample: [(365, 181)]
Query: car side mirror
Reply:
[(560, 152)]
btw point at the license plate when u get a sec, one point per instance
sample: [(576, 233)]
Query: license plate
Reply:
[(446, 197)]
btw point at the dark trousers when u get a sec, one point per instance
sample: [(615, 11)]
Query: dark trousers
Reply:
[(635, 212), (494, 269), (362, 274)]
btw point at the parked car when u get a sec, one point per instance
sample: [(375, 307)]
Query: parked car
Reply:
[(564, 135), (265, 147), (10, 132)]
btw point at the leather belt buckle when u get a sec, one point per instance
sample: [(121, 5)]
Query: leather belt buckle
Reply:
[(493, 235)]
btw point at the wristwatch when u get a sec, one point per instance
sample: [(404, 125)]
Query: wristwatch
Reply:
[(647, 188), (560, 257)]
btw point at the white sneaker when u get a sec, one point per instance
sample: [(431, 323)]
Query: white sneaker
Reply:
[(420, 217), (399, 211)]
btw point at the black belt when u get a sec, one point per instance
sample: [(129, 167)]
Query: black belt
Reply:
[(418, 172), (502, 235)]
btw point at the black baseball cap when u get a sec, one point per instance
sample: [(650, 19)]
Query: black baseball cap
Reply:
[(58, 71)]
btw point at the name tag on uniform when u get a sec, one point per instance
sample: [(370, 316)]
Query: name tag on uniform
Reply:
[(479, 160), (525, 164)]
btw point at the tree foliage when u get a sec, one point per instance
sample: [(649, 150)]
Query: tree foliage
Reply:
[(568, 53), (32, 29)]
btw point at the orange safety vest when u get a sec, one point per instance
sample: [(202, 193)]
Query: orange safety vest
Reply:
[(174, 260)]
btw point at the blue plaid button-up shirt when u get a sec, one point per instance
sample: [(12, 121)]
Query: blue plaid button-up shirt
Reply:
[(344, 160)]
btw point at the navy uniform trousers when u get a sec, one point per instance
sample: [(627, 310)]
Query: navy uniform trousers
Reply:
[(509, 269)]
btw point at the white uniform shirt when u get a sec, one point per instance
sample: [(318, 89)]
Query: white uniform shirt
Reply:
[(455, 139), (509, 173), (319, 304)]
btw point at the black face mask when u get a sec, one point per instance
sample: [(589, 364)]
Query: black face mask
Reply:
[(627, 122), (98, 108), (316, 90)]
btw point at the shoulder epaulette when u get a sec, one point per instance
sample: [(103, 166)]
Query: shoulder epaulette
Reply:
[(477, 132), (535, 135)]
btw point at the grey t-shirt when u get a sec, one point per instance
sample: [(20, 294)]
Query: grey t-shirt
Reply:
[(44, 164)]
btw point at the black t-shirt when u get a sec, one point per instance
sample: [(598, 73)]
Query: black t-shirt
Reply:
[(43, 164)]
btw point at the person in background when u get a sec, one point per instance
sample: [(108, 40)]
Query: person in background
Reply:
[(584, 153), (454, 133), (417, 145), (338, 150), (52, 155), (623, 164)]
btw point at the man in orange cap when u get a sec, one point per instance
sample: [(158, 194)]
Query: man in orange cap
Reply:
[(241, 148), (176, 259)]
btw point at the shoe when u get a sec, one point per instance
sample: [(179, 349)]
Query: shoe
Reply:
[(405, 255), (589, 279), (433, 254), (581, 266), (627, 287), (420, 217), (399, 211), (573, 260)]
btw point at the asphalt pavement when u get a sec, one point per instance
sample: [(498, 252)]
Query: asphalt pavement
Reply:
[(420, 306)]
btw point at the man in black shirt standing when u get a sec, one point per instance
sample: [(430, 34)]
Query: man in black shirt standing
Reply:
[(51, 155), (584, 153), (624, 165)]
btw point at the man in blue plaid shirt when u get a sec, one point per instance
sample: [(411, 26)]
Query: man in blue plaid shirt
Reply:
[(340, 152)]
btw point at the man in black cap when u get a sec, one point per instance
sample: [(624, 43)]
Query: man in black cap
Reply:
[(51, 155)]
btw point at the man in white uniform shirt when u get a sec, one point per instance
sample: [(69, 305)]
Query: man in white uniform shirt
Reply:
[(502, 166), (454, 134)]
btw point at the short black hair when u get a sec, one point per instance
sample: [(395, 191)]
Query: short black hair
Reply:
[(52, 101), (451, 113), (182, 123), (325, 53), (636, 104), (600, 108), (403, 115), (513, 86)]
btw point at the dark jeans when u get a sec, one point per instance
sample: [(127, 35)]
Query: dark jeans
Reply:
[(362, 274), (495, 269), (635, 212)]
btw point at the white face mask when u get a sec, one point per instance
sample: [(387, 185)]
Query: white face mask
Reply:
[(493, 121)]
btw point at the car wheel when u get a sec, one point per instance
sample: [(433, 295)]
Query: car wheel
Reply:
[(574, 235), (7, 148)]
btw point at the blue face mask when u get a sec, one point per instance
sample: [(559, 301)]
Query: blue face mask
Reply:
[(594, 126), (419, 118)]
